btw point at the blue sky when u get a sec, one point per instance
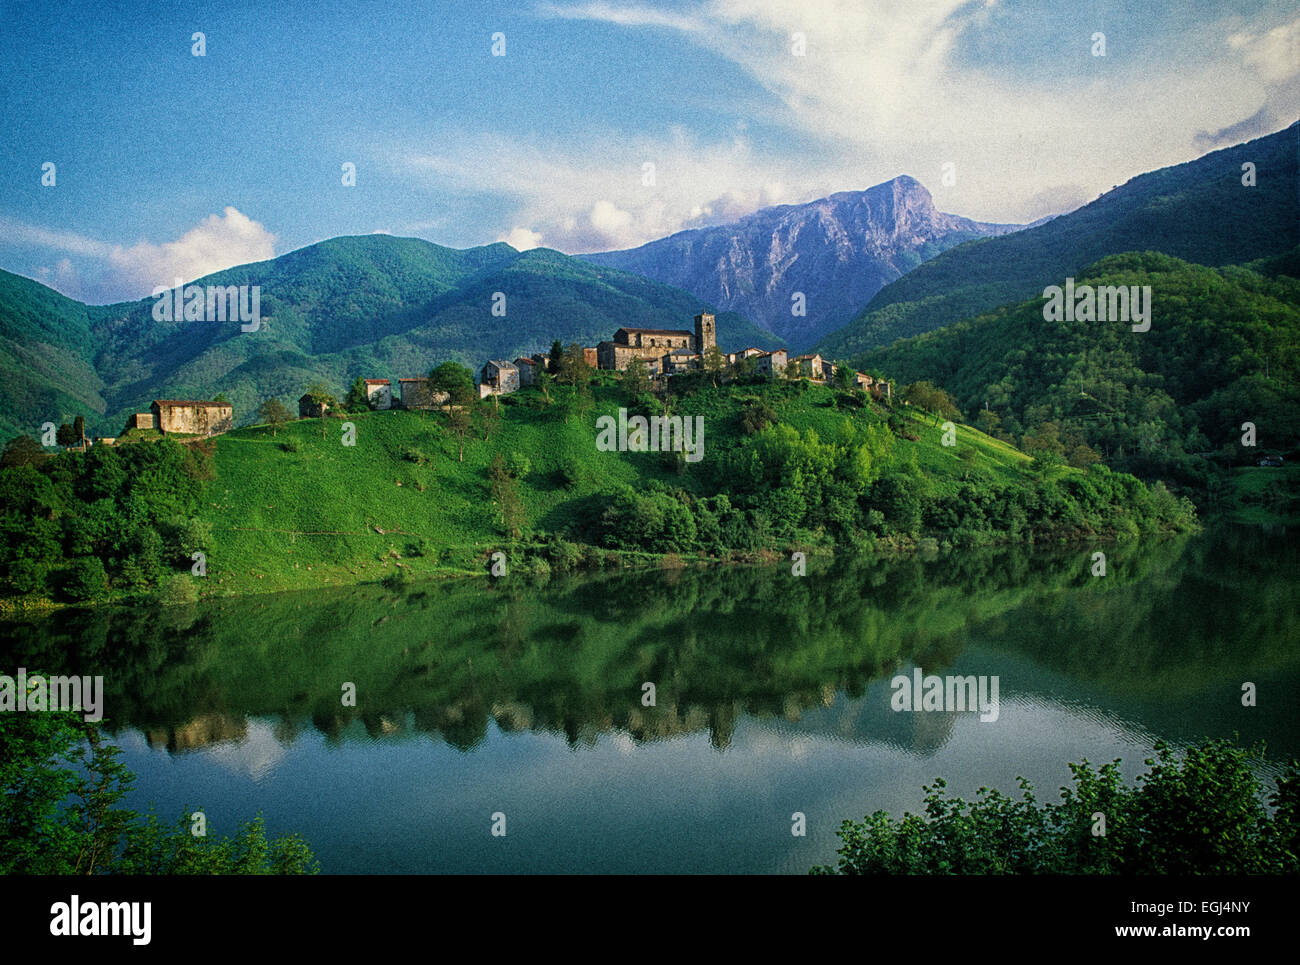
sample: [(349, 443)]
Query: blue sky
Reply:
[(170, 165)]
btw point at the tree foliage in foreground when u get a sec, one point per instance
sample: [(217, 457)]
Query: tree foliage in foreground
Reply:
[(1203, 814), (61, 787)]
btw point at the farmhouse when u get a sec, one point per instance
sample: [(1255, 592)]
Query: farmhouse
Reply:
[(878, 388), (812, 367), (190, 417), (771, 364), (139, 420), (744, 353), (417, 394), (498, 378), (379, 393), (528, 369)]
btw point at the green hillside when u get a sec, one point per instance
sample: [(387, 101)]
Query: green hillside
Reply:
[(785, 466), (46, 367), (1199, 211), (1223, 349), (374, 306)]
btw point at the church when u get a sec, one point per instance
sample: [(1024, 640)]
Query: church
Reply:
[(663, 350)]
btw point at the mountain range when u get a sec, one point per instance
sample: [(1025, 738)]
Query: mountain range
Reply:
[(1211, 211), (387, 307), (837, 251)]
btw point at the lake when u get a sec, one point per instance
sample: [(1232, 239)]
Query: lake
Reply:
[(772, 696)]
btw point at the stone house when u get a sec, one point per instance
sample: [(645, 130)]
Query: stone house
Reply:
[(880, 389), (528, 369), (498, 378), (655, 343), (379, 393), (812, 367), (681, 360), (192, 417), (744, 353), (771, 364), (417, 394), (139, 420)]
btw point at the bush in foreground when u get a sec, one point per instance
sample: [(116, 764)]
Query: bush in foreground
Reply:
[(1203, 814), (61, 785)]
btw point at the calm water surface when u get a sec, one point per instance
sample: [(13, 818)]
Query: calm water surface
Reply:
[(773, 696)]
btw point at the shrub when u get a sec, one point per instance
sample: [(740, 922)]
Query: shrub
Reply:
[(1199, 815), (757, 417), (563, 555), (396, 579), (86, 579), (570, 473), (179, 589), (519, 465)]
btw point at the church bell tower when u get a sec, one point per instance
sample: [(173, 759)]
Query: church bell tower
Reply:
[(706, 335)]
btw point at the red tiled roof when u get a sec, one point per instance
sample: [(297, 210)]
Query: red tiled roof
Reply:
[(219, 405), (377, 381)]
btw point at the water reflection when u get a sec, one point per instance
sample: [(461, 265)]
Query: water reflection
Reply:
[(772, 697), (1164, 642)]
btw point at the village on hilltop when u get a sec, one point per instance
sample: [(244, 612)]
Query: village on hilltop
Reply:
[(664, 352)]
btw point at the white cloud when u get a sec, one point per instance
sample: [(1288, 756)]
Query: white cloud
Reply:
[(218, 242), (522, 239), (115, 272), (1274, 55), (883, 89), (695, 184)]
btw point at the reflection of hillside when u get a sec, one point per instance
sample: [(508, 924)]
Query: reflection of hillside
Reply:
[(570, 658), (201, 731), (1228, 604)]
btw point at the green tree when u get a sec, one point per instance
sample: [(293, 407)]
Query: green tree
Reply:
[(321, 394), (742, 369), (932, 399), (459, 424), (1044, 442), (453, 379), (757, 417), (503, 488), (61, 791), (86, 579), (66, 436), (714, 363), (636, 378), (574, 368), (23, 451), (274, 413), (357, 400), (490, 418), (544, 382)]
